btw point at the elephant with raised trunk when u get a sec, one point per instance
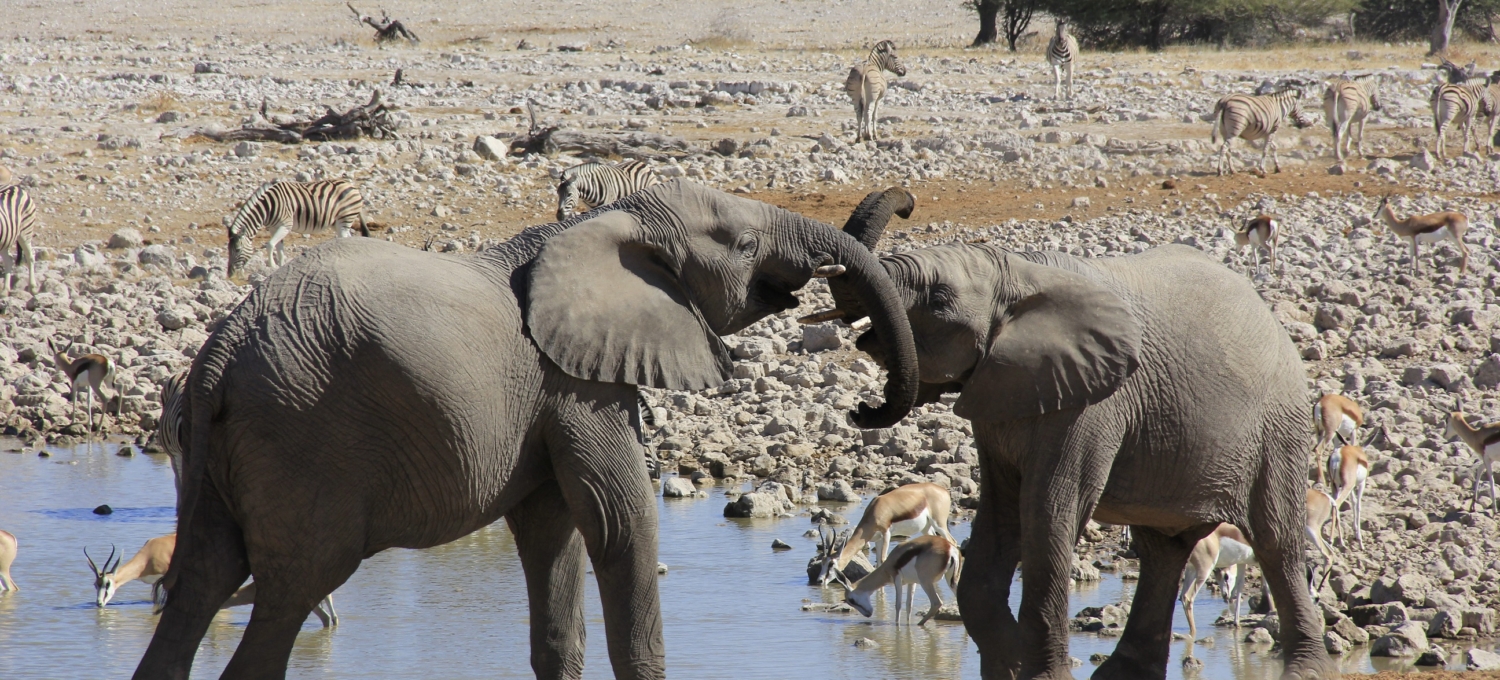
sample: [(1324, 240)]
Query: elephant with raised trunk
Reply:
[(369, 396), (1154, 390)]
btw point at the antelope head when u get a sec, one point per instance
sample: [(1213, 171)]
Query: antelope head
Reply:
[(104, 579)]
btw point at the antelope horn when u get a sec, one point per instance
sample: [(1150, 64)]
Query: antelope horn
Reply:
[(828, 270), (108, 569), (820, 317), (93, 567)]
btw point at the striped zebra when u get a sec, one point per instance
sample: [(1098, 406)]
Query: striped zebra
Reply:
[(1252, 117), (598, 184), (1459, 106), (866, 86), (284, 207), (17, 227), (172, 424), (1061, 51), (1346, 104)]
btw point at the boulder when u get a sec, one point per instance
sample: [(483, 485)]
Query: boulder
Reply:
[(677, 487), (126, 238), (1445, 624), (1409, 589), (1335, 643), (489, 148), (838, 491), (175, 318), (157, 254), (820, 337), (1407, 640), (755, 505), (1424, 160), (1477, 659)]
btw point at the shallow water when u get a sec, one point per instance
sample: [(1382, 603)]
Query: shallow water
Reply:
[(732, 607)]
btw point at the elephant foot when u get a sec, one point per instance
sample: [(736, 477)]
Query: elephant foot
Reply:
[(1123, 667), (1310, 667)]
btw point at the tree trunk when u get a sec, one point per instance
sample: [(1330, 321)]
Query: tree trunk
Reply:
[(1017, 19), (988, 10), (1442, 31)]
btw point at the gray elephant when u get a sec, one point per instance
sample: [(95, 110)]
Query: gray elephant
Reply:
[(1154, 390), (369, 396)]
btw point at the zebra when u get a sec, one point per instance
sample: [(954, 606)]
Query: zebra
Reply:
[(17, 227), (1346, 104), (172, 424), (1255, 117), (1458, 106), (1061, 50), (866, 86), (598, 184), (283, 207)]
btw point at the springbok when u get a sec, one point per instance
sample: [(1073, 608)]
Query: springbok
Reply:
[(910, 510), (1319, 510), (922, 560), (88, 374), (151, 562), (1348, 467), (1485, 442), (1334, 415), (1225, 548), (1434, 228), (8, 547), (1263, 231)]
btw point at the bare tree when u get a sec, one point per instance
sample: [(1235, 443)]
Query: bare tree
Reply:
[(1016, 19), (1442, 30)]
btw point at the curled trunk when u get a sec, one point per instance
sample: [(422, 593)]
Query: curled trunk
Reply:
[(866, 224)]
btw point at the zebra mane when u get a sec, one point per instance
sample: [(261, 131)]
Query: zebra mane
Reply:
[(236, 226)]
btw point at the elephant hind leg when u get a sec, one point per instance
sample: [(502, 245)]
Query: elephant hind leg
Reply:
[(553, 558), (1277, 525), (1146, 646), (989, 568), (208, 565)]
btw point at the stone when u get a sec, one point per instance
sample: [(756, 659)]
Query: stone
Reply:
[(156, 254), (866, 643), (1445, 624), (820, 337), (838, 491), (1423, 160), (125, 238), (677, 487), (1481, 619), (87, 255), (1337, 169), (1335, 643), (247, 149), (104, 510), (1409, 589), (1081, 201), (1477, 659), (1433, 657), (174, 318), (778, 544), (1487, 375), (490, 148), (1407, 640), (1260, 636), (755, 505), (728, 146), (1084, 571), (209, 67)]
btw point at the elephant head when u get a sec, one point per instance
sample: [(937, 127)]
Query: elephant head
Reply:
[(1014, 337), (639, 292)]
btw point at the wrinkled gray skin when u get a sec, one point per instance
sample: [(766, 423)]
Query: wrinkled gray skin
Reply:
[(369, 396), (1154, 390)]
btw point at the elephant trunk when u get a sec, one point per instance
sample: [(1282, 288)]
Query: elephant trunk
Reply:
[(871, 287), (866, 224)]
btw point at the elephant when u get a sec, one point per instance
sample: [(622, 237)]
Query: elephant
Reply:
[(368, 396), (1154, 390)]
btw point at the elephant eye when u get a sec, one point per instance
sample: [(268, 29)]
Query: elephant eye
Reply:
[(942, 297), (748, 245)]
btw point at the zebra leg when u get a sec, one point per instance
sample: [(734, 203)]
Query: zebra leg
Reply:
[(1057, 81), (875, 118), (24, 252), (7, 267), (1068, 71), (273, 245)]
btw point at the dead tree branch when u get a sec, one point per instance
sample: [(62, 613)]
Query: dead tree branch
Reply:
[(368, 120), (386, 28)]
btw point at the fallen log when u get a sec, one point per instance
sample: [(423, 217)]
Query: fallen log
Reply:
[(368, 120), (551, 141), (386, 28)]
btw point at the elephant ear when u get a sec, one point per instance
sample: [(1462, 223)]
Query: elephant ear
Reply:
[(606, 305), (1066, 342)]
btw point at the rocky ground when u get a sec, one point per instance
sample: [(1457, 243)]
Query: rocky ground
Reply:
[(105, 127)]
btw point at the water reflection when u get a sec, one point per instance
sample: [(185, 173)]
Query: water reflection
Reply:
[(731, 605)]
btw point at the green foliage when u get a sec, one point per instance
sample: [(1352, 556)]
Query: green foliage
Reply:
[(1157, 23), (1414, 19)]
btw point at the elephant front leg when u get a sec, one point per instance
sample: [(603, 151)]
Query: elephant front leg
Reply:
[(1146, 645), (989, 567), (601, 471), (552, 556), (1277, 527)]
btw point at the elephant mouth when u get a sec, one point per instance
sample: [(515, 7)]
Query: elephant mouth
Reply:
[(768, 297)]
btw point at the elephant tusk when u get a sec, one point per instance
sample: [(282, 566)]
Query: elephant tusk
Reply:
[(860, 323), (828, 270), (820, 317)]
